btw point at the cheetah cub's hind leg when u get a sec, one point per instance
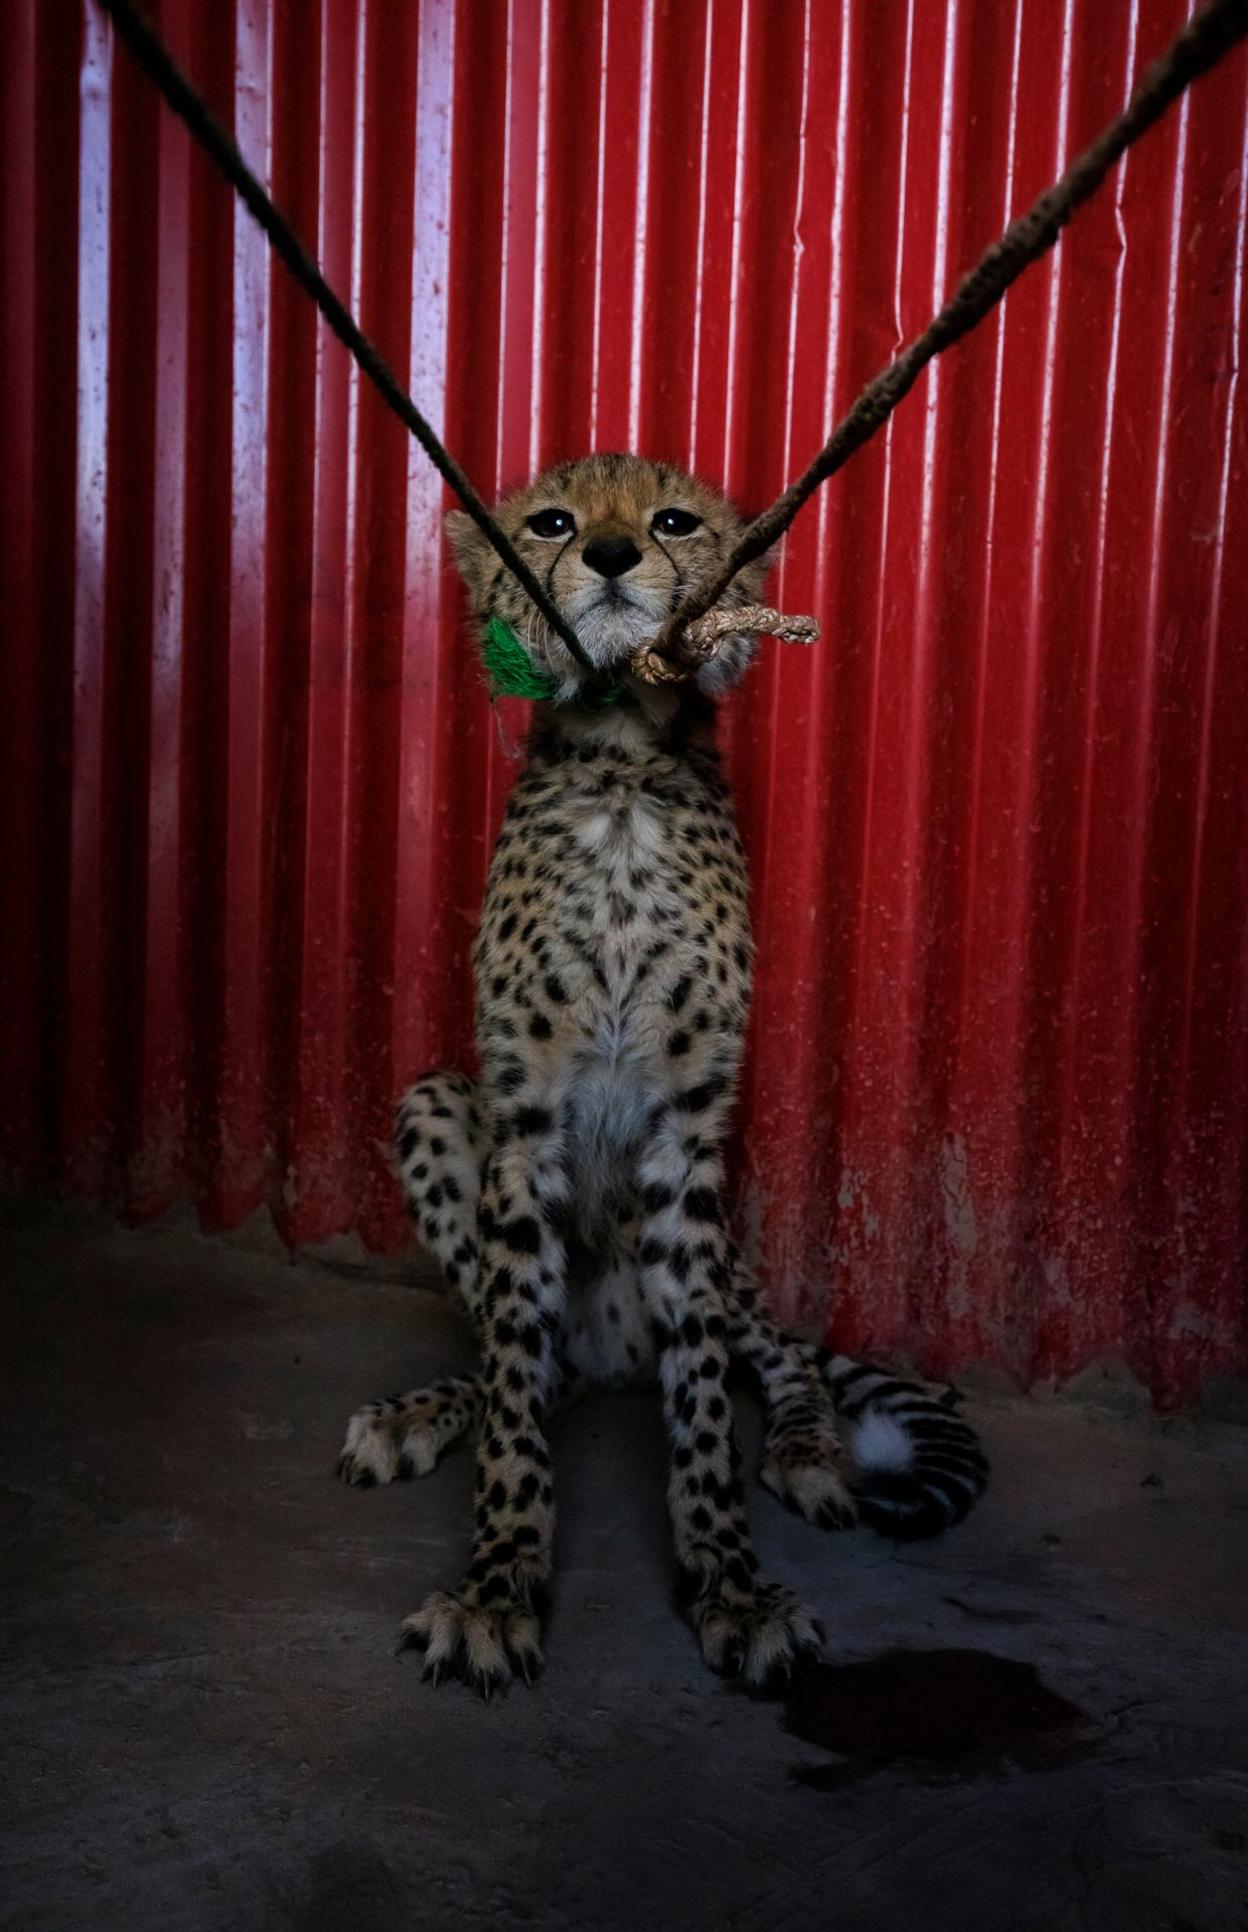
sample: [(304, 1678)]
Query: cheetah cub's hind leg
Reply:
[(804, 1463), (437, 1130), (438, 1147), (408, 1435), (910, 1465)]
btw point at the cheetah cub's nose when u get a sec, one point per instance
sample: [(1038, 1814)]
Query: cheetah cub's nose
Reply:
[(611, 556)]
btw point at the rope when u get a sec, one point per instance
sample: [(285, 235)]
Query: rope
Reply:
[(154, 57), (1199, 46), (703, 639)]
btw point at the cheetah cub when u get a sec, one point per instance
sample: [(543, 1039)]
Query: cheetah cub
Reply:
[(575, 1194)]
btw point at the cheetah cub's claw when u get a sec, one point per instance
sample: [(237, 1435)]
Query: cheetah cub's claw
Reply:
[(805, 1470), (484, 1645), (758, 1635)]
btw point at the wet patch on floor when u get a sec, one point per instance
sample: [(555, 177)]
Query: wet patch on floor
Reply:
[(937, 1714), (984, 1613)]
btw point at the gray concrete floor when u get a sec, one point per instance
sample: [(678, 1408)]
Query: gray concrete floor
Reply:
[(207, 1726)]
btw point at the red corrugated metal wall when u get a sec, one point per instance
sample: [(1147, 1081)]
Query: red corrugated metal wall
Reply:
[(996, 1101)]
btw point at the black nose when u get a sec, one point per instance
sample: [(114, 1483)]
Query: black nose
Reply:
[(611, 556)]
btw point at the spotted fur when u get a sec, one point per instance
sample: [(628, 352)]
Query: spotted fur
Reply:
[(575, 1195)]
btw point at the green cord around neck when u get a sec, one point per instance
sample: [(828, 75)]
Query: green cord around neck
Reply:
[(513, 674)]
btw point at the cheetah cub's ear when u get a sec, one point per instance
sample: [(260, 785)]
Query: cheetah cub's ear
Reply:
[(472, 554)]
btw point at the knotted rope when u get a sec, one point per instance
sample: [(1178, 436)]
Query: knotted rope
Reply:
[(701, 639), (1197, 47), (685, 642)]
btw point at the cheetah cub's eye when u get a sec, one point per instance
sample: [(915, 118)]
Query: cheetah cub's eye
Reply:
[(552, 523), (675, 523)]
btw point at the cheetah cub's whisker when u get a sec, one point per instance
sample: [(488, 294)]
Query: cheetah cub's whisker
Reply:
[(575, 1196)]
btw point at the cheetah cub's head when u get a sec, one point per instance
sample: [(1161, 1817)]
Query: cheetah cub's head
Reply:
[(617, 541)]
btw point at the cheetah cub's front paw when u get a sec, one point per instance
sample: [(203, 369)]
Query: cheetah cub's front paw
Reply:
[(757, 1634), (485, 1646), (805, 1469)]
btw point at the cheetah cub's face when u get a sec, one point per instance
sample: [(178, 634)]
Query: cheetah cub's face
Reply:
[(617, 541)]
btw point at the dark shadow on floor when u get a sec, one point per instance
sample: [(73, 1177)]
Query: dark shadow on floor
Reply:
[(206, 1725)]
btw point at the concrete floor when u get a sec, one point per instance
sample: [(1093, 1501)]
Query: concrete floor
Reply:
[(206, 1724)]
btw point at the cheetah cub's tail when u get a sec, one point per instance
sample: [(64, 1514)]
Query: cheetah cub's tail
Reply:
[(916, 1466)]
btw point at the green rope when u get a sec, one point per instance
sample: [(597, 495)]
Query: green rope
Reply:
[(512, 671), (513, 674)]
